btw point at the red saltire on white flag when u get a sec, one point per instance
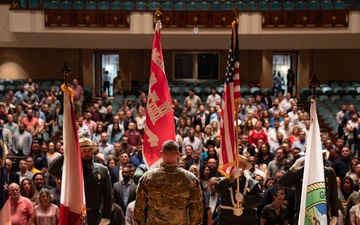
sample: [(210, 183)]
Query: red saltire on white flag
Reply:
[(231, 96), (159, 123), (72, 200)]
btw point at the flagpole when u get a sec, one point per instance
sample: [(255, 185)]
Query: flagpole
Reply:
[(313, 183), (66, 71), (158, 15), (314, 83), (236, 104)]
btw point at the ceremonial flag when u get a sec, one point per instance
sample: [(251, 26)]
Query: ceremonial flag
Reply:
[(5, 216), (159, 123), (231, 96), (313, 197), (72, 200)]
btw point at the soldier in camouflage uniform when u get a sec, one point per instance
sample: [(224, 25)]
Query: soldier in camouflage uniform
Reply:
[(249, 198), (168, 194)]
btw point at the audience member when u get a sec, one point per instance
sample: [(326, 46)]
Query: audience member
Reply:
[(21, 208), (137, 158), (342, 164), (277, 164), (346, 189), (27, 190), (45, 213), (12, 176), (115, 172), (276, 212), (23, 172), (125, 189), (56, 192)]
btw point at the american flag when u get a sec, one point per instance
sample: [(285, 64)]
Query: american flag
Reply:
[(5, 217), (231, 98)]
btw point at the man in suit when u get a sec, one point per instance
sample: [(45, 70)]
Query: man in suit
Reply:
[(22, 142), (96, 182), (294, 177), (125, 190), (128, 119), (23, 172), (213, 200), (246, 146), (115, 172), (266, 99), (201, 118), (195, 160), (13, 177)]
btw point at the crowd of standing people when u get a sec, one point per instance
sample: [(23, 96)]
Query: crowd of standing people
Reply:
[(271, 135)]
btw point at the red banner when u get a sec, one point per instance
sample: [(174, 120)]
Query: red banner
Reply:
[(159, 124)]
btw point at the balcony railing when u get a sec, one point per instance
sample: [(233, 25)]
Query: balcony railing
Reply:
[(321, 18), (87, 18)]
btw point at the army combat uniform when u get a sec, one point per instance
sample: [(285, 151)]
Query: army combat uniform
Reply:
[(168, 195)]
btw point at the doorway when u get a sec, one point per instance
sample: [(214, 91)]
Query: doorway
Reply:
[(282, 64), (107, 66)]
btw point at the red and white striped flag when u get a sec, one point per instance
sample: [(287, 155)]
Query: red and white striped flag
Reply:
[(72, 200), (231, 97), (159, 123), (5, 216)]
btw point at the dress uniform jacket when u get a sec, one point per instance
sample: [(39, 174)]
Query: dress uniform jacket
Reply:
[(97, 189), (252, 198), (296, 178)]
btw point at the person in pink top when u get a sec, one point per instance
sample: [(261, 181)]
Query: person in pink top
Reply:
[(91, 124), (31, 123), (78, 97), (257, 134), (45, 213), (21, 208)]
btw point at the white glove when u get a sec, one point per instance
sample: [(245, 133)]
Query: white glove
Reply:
[(333, 220), (104, 221), (237, 173), (297, 164), (239, 197)]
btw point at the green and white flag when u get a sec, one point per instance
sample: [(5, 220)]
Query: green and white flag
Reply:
[(313, 196)]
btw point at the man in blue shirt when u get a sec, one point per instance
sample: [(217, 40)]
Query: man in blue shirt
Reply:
[(137, 158)]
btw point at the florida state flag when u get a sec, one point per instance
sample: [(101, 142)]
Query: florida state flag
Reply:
[(72, 200), (159, 123)]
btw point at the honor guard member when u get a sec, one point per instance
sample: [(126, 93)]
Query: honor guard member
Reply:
[(168, 194), (96, 183), (239, 207), (294, 177)]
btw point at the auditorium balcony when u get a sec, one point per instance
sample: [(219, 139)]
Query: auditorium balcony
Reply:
[(129, 24)]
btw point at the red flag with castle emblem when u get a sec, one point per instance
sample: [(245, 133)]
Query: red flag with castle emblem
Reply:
[(159, 123)]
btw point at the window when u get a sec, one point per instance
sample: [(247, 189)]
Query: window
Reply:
[(196, 65)]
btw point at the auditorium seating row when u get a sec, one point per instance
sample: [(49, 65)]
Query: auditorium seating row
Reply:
[(181, 91), (327, 108), (334, 89), (249, 5), (13, 84)]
